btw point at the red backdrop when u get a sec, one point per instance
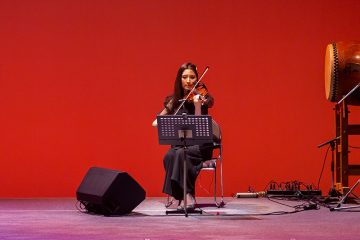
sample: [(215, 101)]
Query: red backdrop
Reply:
[(82, 80)]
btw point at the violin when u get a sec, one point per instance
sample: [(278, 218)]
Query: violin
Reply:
[(199, 90)]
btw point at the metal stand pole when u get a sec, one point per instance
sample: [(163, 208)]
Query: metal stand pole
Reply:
[(185, 211), (185, 184), (332, 191)]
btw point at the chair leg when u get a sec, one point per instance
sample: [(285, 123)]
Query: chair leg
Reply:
[(215, 186), (222, 203)]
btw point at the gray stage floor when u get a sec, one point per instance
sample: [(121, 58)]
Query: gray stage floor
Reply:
[(239, 219)]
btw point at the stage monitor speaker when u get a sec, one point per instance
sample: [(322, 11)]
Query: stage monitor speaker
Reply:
[(109, 192)]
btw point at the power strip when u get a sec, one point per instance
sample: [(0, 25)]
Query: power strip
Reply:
[(293, 193)]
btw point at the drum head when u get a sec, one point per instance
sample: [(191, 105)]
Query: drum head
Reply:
[(330, 81)]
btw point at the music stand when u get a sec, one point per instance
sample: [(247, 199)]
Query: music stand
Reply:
[(184, 130)]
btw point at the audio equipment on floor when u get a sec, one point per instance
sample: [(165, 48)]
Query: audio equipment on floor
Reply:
[(109, 192)]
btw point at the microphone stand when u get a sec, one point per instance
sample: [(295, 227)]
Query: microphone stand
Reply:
[(332, 191)]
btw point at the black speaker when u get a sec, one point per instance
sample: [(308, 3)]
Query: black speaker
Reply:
[(109, 192)]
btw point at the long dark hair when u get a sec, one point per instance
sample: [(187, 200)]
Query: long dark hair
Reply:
[(178, 89)]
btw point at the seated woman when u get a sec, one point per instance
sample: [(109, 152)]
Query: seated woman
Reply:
[(185, 80)]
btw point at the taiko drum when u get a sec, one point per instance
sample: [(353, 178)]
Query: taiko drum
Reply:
[(342, 71)]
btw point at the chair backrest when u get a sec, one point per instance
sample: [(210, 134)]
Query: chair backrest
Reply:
[(216, 132), (217, 145)]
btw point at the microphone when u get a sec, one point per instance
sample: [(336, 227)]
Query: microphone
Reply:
[(330, 141)]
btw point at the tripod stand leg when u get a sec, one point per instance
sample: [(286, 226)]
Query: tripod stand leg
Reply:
[(342, 201)]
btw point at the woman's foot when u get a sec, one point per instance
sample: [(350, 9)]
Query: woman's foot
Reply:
[(170, 201), (190, 201)]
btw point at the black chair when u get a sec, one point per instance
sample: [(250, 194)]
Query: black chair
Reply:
[(216, 162)]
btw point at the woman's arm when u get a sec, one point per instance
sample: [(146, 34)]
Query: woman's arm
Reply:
[(165, 111)]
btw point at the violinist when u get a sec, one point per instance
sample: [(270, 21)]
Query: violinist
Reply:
[(196, 104)]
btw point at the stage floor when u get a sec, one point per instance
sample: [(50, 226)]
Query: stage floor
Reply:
[(242, 218)]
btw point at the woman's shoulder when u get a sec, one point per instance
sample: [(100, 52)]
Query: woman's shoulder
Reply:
[(168, 99)]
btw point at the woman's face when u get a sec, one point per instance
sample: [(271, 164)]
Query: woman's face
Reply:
[(188, 79)]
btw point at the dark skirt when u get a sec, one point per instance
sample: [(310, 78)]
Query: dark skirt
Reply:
[(174, 168)]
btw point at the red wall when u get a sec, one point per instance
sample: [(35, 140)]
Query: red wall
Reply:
[(82, 80)]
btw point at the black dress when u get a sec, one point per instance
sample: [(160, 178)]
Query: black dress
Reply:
[(195, 155)]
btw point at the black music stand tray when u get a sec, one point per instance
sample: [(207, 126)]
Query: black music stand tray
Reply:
[(184, 130)]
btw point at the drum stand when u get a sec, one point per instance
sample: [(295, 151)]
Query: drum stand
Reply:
[(342, 168)]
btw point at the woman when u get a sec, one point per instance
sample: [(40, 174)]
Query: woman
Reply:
[(186, 78)]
